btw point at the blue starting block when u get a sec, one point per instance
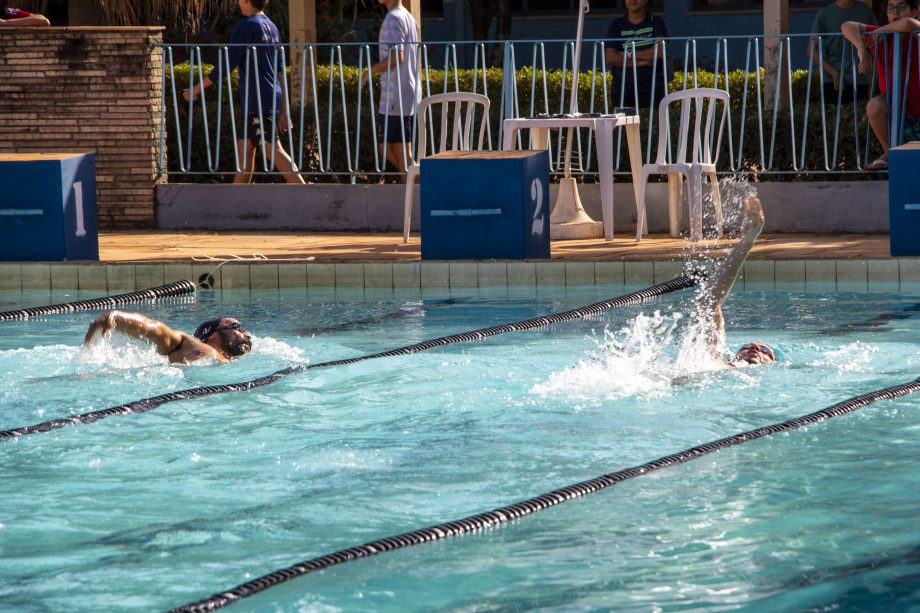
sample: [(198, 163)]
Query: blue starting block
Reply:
[(485, 205), (48, 207), (904, 199)]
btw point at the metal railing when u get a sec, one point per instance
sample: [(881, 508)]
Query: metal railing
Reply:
[(779, 120)]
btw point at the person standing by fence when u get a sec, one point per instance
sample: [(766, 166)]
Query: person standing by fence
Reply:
[(400, 92), (632, 38), (260, 88), (836, 55), (902, 21)]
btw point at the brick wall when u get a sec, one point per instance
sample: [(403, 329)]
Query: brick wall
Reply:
[(88, 90)]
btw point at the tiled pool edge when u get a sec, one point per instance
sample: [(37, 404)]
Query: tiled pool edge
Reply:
[(889, 274)]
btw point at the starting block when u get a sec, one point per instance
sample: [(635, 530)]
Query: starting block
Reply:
[(48, 207)]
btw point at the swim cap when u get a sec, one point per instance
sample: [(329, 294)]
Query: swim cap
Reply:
[(206, 329)]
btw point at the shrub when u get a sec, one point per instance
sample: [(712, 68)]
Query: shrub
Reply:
[(340, 148)]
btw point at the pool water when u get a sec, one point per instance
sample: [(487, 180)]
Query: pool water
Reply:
[(151, 511)]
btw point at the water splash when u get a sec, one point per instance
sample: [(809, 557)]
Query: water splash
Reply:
[(852, 357), (639, 358), (733, 190), (117, 352), (703, 341), (635, 360), (266, 346)]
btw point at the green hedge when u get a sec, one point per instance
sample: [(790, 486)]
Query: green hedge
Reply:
[(323, 147)]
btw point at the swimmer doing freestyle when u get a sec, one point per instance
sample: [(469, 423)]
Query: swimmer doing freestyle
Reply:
[(219, 339)]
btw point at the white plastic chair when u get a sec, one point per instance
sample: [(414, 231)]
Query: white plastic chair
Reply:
[(455, 134), (701, 160)]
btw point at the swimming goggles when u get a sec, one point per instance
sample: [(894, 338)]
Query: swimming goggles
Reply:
[(205, 334)]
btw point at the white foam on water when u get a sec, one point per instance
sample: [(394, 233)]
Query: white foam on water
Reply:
[(118, 352), (635, 360), (648, 355), (852, 357), (266, 346)]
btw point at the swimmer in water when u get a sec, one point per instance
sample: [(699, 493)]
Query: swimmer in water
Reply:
[(710, 302), (219, 339)]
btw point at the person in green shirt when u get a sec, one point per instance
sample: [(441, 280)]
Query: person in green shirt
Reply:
[(836, 52)]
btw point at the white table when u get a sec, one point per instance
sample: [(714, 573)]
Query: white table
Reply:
[(603, 137)]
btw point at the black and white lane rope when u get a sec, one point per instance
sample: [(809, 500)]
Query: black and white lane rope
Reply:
[(147, 404), (502, 515), (179, 288)]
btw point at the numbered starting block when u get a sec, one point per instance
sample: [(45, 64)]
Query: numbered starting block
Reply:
[(48, 207), (485, 205), (904, 199)]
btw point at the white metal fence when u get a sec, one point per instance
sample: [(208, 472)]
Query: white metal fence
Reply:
[(779, 120)]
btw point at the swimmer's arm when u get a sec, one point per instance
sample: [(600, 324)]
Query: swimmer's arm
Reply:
[(725, 275), (135, 325), (905, 25)]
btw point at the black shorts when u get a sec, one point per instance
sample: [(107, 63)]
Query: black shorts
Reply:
[(830, 94), (398, 128), (260, 129)]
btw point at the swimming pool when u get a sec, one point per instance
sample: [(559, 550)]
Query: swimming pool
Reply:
[(156, 510)]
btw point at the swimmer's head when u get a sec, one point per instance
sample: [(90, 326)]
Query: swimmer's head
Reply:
[(225, 334), (755, 353)]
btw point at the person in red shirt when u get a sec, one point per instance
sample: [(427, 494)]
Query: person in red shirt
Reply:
[(22, 19), (902, 19)]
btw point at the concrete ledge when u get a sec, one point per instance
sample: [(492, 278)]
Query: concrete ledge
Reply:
[(790, 207)]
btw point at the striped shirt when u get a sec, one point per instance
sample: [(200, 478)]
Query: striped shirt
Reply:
[(643, 33)]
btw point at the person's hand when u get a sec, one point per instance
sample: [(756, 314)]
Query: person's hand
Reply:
[(365, 76), (865, 60), (187, 95), (101, 326), (283, 123), (753, 215), (835, 77)]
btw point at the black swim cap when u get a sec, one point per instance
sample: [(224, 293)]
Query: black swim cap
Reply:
[(208, 328)]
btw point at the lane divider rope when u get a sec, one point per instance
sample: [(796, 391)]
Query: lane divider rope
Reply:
[(148, 404), (502, 515), (179, 288)]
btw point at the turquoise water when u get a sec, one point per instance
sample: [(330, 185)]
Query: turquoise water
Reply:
[(150, 511)]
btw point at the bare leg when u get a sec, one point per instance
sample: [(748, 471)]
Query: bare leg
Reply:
[(32, 21), (284, 163), (394, 153), (877, 111), (247, 152)]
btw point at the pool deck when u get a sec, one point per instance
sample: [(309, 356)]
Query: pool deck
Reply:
[(158, 246)]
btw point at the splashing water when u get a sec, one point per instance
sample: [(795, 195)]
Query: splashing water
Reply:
[(117, 352), (732, 190), (633, 360), (852, 357), (637, 360), (267, 346)]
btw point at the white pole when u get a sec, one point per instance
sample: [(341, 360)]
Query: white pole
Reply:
[(573, 103), (576, 64)]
